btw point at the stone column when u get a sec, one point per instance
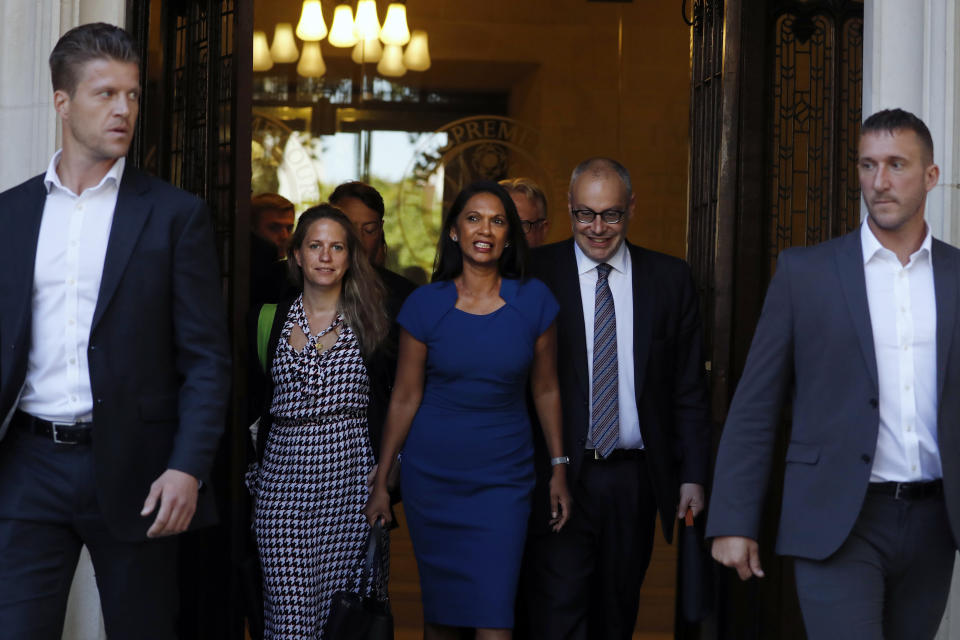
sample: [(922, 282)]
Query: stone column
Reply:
[(911, 58)]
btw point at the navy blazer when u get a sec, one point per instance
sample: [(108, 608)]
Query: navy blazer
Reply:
[(158, 350), (815, 339), (669, 375)]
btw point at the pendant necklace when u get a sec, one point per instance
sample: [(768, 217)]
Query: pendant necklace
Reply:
[(322, 344)]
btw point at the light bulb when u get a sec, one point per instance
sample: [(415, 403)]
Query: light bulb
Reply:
[(367, 51), (311, 26), (391, 64), (367, 24), (417, 55), (311, 61), (395, 29), (261, 52), (284, 48), (341, 31)]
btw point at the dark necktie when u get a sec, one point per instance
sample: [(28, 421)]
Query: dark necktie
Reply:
[(605, 416)]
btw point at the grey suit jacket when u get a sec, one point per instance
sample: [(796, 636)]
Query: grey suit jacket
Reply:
[(814, 340)]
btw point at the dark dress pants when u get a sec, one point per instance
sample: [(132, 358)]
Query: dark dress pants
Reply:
[(888, 581), (584, 582), (48, 511)]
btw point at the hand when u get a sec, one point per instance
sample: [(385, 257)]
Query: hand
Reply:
[(691, 496), (561, 503), (378, 507), (176, 492), (742, 554)]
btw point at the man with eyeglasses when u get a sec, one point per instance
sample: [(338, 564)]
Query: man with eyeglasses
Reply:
[(635, 418), (531, 207), (363, 205)]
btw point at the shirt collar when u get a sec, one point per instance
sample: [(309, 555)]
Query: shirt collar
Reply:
[(618, 260), (871, 246), (51, 179)]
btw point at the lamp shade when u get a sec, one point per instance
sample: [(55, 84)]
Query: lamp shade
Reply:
[(311, 63), (367, 24), (261, 52), (417, 55), (341, 31), (284, 48), (367, 51), (311, 26), (395, 30), (391, 64)]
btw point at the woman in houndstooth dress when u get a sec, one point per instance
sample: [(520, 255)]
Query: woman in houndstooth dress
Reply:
[(310, 485)]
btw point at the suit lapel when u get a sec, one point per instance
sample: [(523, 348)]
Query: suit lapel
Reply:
[(945, 291), (644, 300), (854, 284), (131, 214), (568, 296)]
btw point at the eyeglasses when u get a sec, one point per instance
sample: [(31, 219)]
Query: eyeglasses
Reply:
[(371, 227), (587, 216), (530, 225)]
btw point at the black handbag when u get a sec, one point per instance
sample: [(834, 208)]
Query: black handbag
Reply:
[(355, 616)]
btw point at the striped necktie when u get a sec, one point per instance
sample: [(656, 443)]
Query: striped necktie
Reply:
[(605, 415)]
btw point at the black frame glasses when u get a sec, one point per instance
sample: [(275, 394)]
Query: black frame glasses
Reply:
[(530, 225), (610, 216)]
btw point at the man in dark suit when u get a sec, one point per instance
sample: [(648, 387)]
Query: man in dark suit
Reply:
[(635, 421), (862, 331), (114, 363)]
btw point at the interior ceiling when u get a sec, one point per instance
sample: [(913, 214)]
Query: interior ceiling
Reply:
[(449, 75)]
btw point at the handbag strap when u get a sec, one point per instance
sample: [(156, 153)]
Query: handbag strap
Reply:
[(372, 558)]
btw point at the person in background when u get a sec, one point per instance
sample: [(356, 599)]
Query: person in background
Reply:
[(272, 218), (313, 444), (469, 342), (531, 207)]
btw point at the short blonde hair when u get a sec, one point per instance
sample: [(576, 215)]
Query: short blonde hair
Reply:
[(528, 188)]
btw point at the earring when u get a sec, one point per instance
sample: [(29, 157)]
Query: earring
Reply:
[(506, 245), (455, 239)]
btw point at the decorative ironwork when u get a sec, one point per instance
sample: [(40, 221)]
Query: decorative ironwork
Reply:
[(705, 132), (817, 81)]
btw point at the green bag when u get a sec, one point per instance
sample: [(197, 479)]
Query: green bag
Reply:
[(264, 324)]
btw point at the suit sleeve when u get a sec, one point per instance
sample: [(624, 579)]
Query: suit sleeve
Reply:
[(746, 446), (690, 402), (202, 348)]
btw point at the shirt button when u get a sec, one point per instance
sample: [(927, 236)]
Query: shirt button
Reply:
[(906, 387), (909, 428), (71, 282), (74, 361), (906, 347), (74, 398), (71, 322), (913, 468)]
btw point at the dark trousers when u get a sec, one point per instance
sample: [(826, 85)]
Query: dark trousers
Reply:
[(48, 511), (584, 582), (888, 581)]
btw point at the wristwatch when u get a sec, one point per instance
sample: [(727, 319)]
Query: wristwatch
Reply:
[(559, 460)]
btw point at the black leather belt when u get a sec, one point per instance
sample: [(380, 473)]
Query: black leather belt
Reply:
[(59, 432), (907, 490), (616, 454)]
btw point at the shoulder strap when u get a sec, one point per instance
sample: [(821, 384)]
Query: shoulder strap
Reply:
[(264, 325)]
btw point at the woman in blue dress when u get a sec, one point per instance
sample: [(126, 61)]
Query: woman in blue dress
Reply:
[(470, 341)]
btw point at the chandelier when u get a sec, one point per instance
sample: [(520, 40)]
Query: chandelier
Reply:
[(391, 46)]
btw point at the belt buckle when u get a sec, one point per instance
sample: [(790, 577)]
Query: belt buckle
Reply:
[(55, 426), (897, 493), (596, 454)]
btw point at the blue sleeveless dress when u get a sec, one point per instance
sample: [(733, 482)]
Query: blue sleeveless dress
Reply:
[(467, 473)]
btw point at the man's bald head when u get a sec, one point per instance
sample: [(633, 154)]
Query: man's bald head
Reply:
[(600, 168)]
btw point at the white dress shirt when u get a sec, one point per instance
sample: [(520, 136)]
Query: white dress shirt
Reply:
[(903, 314), (66, 282), (620, 280)]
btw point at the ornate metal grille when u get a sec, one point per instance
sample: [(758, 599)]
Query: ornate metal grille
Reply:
[(815, 118), (201, 113), (705, 132)]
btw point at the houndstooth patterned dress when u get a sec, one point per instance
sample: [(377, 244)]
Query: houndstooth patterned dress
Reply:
[(310, 489)]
